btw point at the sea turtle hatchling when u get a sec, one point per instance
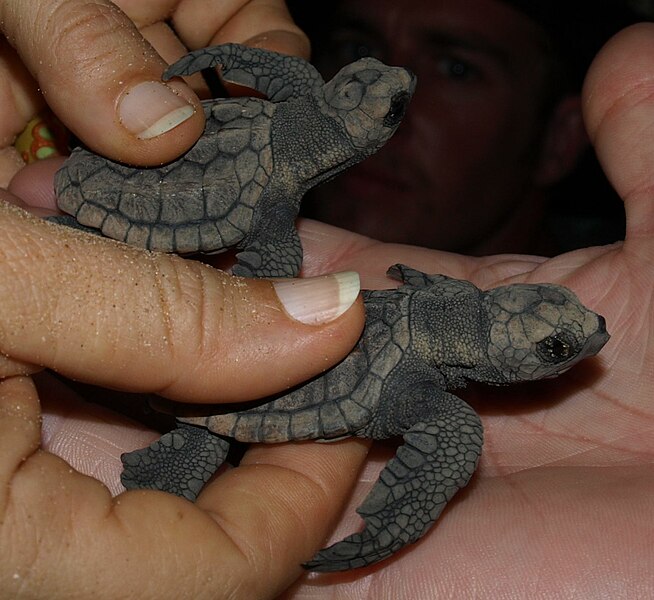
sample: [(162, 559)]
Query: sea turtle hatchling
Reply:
[(420, 341), (241, 184)]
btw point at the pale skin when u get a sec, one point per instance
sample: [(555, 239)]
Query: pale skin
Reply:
[(560, 505), (71, 303), (90, 54)]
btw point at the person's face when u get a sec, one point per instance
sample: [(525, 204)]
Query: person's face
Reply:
[(466, 153)]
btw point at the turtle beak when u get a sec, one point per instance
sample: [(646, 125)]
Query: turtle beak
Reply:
[(598, 339)]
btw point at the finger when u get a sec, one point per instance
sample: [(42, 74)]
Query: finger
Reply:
[(103, 79), (113, 315), (148, 12), (282, 496), (620, 119), (10, 164), (170, 48), (19, 102), (33, 184), (328, 248), (278, 507), (200, 23), (12, 368), (260, 23), (58, 526), (151, 19), (19, 429)]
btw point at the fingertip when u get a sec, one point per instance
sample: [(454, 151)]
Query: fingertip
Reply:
[(318, 300), (103, 80), (94, 305), (619, 115), (624, 62), (145, 122), (159, 122), (33, 184), (264, 340), (169, 114)]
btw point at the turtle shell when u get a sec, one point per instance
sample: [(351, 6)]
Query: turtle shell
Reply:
[(338, 403), (204, 201)]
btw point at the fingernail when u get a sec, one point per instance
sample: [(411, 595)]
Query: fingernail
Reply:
[(318, 300), (152, 108)]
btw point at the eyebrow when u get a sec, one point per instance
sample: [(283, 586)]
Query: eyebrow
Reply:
[(436, 38)]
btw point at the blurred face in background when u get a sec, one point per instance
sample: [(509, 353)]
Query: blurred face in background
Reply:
[(462, 170)]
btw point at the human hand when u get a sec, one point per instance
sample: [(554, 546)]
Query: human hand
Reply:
[(127, 319), (98, 65), (562, 497), (97, 311), (562, 501)]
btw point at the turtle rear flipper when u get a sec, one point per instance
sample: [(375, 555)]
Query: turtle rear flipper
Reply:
[(435, 461), (179, 462), (278, 76), (70, 221)]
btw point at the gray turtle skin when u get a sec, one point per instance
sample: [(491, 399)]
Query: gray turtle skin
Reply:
[(241, 184), (421, 341)]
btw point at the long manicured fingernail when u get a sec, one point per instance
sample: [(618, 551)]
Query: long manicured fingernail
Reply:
[(151, 108), (318, 300)]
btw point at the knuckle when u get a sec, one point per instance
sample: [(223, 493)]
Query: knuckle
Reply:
[(84, 38)]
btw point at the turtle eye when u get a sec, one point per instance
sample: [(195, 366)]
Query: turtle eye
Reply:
[(396, 112), (556, 348)]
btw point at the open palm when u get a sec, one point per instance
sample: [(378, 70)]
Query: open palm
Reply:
[(561, 504)]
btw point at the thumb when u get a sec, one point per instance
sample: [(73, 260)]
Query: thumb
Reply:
[(620, 119), (119, 317), (102, 79)]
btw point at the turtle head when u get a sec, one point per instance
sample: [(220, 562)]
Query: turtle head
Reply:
[(539, 330), (369, 99)]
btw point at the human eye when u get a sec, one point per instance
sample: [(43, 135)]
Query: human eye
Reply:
[(455, 68)]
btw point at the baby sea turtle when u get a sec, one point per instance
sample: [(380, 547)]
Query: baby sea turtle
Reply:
[(420, 342), (241, 184)]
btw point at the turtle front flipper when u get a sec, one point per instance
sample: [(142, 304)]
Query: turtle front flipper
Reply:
[(278, 76), (436, 460), (180, 462), (275, 251), (413, 277)]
